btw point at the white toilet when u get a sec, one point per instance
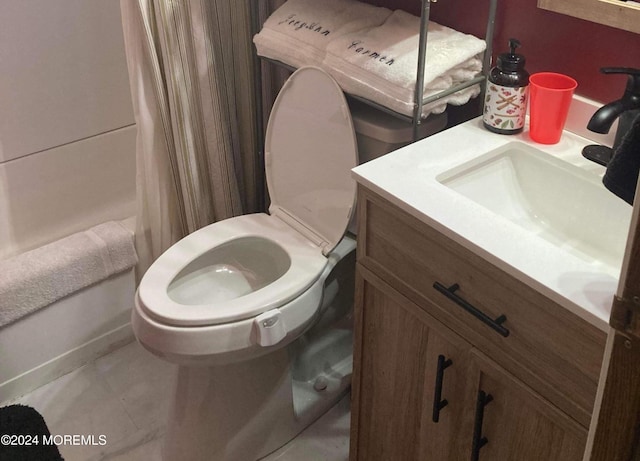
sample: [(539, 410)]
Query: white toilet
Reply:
[(223, 302)]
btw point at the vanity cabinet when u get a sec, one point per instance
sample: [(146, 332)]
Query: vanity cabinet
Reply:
[(398, 362), (516, 379)]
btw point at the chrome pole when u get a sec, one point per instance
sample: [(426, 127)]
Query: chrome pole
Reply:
[(255, 26), (493, 6), (422, 61)]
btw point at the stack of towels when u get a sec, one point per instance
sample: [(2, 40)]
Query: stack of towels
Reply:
[(372, 52), (299, 32), (37, 278)]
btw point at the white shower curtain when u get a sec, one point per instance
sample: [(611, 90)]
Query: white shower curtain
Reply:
[(191, 74)]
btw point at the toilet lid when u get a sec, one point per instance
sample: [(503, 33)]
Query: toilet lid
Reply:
[(310, 149)]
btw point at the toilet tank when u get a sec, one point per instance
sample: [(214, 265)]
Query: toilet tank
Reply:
[(379, 133)]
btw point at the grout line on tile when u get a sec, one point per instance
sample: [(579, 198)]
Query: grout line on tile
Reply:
[(67, 143)]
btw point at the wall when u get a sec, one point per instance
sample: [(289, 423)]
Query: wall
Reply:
[(550, 41), (67, 133)]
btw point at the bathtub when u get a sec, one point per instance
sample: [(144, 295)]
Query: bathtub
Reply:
[(45, 197), (66, 334)]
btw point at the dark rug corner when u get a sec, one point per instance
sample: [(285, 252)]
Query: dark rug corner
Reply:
[(21, 420)]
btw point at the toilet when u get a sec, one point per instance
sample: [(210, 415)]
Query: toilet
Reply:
[(226, 302), (256, 310)]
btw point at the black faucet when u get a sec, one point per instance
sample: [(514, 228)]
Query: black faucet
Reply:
[(627, 108)]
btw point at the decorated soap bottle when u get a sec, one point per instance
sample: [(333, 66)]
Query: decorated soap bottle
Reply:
[(505, 102)]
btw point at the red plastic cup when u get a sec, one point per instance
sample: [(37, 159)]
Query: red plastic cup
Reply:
[(550, 96)]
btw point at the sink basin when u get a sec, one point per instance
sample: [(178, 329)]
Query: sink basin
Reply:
[(555, 200)]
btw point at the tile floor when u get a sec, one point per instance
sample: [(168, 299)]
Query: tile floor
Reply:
[(124, 396)]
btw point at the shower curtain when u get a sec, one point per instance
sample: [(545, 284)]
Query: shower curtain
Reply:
[(191, 73)]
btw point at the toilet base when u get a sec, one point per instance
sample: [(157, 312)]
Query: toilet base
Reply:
[(244, 411)]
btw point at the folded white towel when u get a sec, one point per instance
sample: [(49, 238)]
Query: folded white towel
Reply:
[(299, 31), (458, 98), (380, 63), (39, 277)]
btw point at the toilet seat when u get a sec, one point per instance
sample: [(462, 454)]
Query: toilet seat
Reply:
[(306, 264), (310, 149)]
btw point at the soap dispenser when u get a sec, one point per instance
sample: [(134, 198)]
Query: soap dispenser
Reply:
[(507, 91), (627, 108)]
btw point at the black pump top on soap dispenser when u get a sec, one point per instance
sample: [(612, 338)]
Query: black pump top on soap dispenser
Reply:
[(509, 70)]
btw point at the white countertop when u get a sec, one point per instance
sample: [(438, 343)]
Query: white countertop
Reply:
[(407, 178)]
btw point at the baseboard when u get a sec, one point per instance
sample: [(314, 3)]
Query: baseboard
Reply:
[(65, 363)]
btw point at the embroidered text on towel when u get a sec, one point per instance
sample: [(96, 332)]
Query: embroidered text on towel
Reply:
[(298, 24), (372, 54)]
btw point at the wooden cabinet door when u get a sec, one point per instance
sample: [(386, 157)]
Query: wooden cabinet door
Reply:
[(447, 355), (511, 422), (396, 360)]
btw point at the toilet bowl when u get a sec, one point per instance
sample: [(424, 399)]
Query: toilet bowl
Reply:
[(225, 293), (225, 302)]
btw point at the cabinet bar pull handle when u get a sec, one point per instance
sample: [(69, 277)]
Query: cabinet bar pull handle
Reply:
[(438, 402), (496, 324), (478, 440)]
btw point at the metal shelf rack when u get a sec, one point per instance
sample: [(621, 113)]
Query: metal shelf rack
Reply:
[(420, 101)]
